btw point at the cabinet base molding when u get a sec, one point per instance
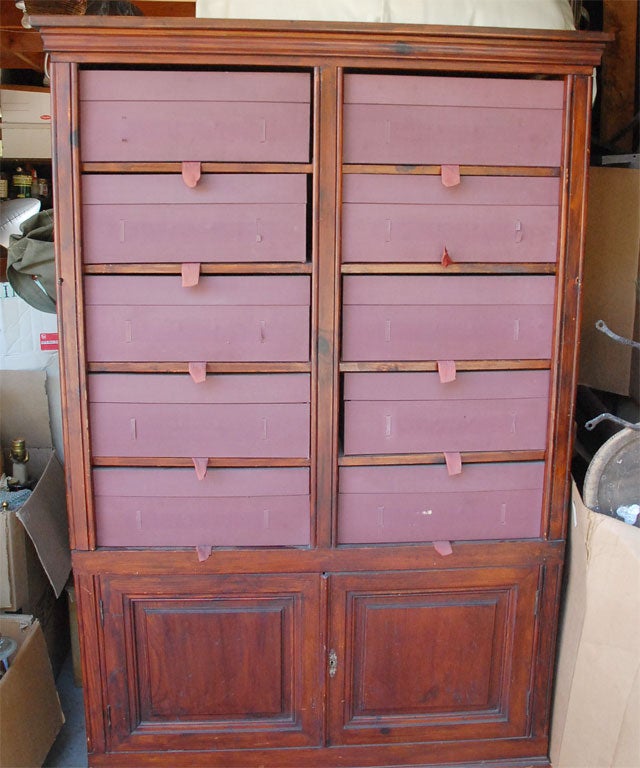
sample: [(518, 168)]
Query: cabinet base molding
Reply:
[(320, 758)]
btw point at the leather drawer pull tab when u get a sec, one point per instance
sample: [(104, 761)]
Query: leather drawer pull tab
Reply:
[(443, 548), (454, 463), (201, 467), (204, 552), (450, 175), (190, 274), (198, 372), (191, 172), (446, 259), (447, 371)]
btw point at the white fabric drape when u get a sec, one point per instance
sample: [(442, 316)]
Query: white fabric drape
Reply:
[(532, 14)]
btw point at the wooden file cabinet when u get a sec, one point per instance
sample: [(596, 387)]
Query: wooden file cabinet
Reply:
[(318, 292)]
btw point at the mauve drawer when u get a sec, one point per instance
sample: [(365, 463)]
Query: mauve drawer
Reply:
[(439, 317), (206, 116), (229, 507), (389, 218), (223, 318), (422, 503), (225, 218), (169, 415), (405, 119), (386, 413)]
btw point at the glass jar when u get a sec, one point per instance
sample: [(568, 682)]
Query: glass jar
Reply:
[(21, 183)]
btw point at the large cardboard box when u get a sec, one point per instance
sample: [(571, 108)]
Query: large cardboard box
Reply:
[(34, 539), (34, 543), (31, 713), (35, 560), (596, 714)]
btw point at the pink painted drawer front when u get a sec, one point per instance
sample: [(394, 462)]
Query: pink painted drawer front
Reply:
[(483, 219), (166, 415), (229, 507), (422, 503), (465, 121), (225, 218), (447, 317), (386, 413), (206, 116), (223, 318)]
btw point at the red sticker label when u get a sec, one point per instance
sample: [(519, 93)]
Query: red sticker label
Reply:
[(45, 117), (48, 342)]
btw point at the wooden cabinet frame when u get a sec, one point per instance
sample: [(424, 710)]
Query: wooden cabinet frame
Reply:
[(331, 599)]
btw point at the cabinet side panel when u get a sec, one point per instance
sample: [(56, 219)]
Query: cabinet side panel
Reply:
[(569, 303), (93, 673), (66, 190)]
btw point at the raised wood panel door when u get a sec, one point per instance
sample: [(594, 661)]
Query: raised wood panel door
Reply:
[(229, 662), (431, 657)]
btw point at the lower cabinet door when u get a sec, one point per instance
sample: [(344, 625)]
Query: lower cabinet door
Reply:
[(212, 662), (431, 656)]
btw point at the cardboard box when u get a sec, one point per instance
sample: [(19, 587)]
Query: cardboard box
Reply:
[(596, 708), (34, 546), (611, 273), (26, 123), (14, 583), (33, 538), (24, 412), (31, 712)]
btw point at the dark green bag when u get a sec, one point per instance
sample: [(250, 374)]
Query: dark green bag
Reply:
[(30, 262)]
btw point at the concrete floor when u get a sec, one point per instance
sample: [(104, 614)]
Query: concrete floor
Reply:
[(70, 748)]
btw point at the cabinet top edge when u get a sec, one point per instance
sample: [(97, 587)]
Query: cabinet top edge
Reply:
[(171, 23), (100, 36)]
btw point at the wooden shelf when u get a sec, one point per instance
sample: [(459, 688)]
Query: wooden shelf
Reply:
[(432, 365), (206, 167), (245, 268), (411, 459), (467, 268), (212, 368), (465, 170)]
